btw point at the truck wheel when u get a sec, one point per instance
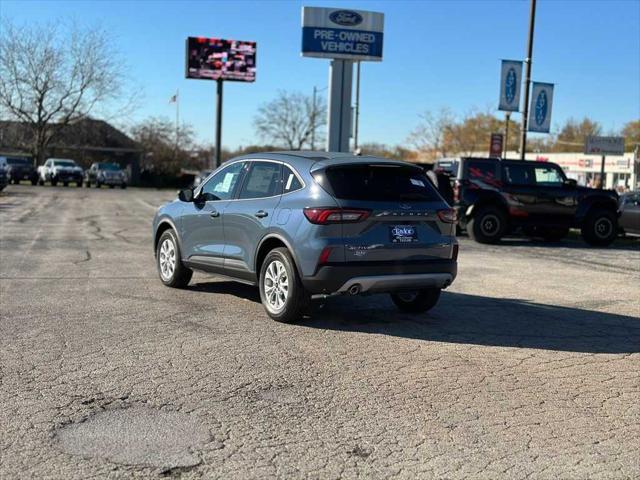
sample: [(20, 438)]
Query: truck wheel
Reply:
[(600, 227), (170, 268), (281, 291), (487, 225), (416, 302)]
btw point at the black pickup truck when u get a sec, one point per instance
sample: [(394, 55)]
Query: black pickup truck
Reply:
[(493, 197)]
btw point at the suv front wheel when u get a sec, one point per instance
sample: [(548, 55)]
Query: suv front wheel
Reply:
[(600, 227), (281, 291), (170, 268), (487, 225)]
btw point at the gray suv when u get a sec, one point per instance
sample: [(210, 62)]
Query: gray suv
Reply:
[(305, 225)]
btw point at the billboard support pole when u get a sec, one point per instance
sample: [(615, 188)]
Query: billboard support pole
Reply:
[(218, 157), (339, 116), (507, 117), (357, 109), (527, 81)]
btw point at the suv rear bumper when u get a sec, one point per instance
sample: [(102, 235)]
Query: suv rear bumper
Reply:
[(372, 277)]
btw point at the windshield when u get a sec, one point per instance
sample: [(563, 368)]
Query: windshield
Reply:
[(64, 163), (108, 166), (18, 161), (377, 182)]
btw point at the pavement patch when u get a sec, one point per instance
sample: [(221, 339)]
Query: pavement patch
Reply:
[(139, 436)]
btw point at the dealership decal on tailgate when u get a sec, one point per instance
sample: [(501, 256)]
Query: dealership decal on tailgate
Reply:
[(403, 234)]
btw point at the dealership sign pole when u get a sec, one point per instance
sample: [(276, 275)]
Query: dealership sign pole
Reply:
[(344, 36), (220, 60), (603, 146)]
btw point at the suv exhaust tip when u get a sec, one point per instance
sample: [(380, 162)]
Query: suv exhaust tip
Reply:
[(355, 289)]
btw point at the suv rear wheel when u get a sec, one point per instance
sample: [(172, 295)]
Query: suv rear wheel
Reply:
[(600, 227), (416, 302), (281, 291), (487, 225), (170, 268)]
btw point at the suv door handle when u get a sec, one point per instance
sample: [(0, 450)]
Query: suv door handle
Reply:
[(214, 214), (261, 214)]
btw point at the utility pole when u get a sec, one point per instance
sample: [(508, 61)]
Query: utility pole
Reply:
[(313, 120), (357, 109), (527, 81)]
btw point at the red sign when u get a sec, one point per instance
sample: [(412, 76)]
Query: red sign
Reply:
[(495, 146)]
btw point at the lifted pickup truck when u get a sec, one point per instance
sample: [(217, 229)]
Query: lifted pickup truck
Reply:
[(493, 197)]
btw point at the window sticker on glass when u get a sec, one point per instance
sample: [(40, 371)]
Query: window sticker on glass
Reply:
[(417, 182), (225, 185), (289, 180), (261, 178)]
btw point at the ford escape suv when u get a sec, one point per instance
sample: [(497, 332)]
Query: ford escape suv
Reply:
[(303, 225)]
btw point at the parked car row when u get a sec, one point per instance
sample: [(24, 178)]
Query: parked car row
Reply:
[(60, 170)]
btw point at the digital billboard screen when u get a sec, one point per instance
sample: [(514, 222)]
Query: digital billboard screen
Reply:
[(216, 58)]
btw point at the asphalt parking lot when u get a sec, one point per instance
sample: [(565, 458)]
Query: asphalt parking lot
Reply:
[(528, 367)]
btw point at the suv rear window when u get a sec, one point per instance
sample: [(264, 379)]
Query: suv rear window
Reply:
[(377, 183)]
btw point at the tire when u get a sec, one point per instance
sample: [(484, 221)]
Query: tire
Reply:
[(487, 225), (175, 274), (290, 300), (600, 227), (416, 302)]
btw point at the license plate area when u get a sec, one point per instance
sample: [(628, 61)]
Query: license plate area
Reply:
[(403, 234)]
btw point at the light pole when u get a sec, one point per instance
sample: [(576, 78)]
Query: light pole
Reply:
[(507, 117), (527, 81), (316, 90)]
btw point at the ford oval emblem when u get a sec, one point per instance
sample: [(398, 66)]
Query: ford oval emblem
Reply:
[(541, 107), (347, 18), (510, 86)]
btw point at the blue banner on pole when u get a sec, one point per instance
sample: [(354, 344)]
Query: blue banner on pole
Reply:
[(510, 81), (540, 109)]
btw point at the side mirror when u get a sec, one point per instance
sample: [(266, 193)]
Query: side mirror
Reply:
[(185, 195), (570, 182)]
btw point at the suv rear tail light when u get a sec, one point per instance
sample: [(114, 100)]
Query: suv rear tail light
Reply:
[(447, 216), (324, 216)]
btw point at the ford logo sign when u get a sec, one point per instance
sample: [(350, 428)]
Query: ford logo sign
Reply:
[(346, 18), (541, 107), (510, 86)]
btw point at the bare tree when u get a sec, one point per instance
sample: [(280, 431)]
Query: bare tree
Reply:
[(157, 138), (290, 119), (51, 77), (429, 137)]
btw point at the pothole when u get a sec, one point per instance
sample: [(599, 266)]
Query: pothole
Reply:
[(137, 436)]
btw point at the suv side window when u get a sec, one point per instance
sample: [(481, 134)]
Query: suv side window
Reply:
[(263, 180), (548, 176), (518, 174), (290, 182), (222, 185), (483, 171)]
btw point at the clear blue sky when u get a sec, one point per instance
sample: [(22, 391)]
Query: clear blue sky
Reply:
[(436, 53)]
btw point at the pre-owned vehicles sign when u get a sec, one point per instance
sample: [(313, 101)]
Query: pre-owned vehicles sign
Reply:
[(342, 33), (604, 145)]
